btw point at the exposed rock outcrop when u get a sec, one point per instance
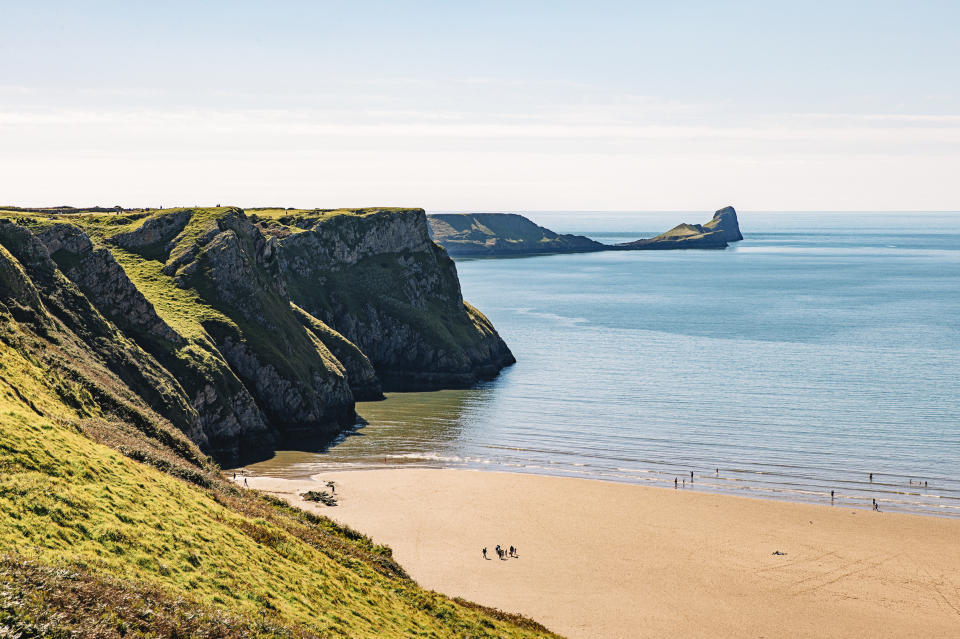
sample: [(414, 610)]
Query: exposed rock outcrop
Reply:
[(104, 281), (160, 229), (379, 280), (725, 220)]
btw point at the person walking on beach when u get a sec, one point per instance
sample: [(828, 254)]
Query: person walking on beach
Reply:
[(691, 476), (484, 553), (831, 496), (245, 482), (674, 482), (511, 551)]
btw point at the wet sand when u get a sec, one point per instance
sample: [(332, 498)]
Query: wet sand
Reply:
[(602, 559)]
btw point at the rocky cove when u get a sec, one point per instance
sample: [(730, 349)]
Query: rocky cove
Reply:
[(246, 329)]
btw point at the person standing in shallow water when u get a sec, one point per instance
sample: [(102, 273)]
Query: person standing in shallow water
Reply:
[(674, 482)]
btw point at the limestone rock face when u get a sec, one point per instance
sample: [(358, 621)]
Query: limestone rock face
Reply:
[(103, 281), (725, 220), (379, 281), (155, 230), (299, 405)]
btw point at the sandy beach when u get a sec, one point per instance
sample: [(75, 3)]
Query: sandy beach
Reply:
[(600, 559)]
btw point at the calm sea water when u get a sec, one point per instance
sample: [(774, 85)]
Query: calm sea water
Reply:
[(822, 348)]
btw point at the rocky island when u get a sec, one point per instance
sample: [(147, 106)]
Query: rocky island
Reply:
[(506, 234), (722, 229)]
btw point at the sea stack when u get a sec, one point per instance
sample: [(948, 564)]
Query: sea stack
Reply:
[(726, 220)]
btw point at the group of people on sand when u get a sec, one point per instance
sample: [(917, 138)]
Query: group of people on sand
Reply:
[(503, 553), (244, 476)]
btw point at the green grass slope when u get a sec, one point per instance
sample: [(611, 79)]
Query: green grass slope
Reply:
[(112, 523)]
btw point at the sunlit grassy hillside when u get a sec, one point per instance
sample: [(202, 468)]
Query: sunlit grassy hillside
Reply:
[(113, 523)]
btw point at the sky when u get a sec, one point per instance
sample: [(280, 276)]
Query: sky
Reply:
[(482, 106)]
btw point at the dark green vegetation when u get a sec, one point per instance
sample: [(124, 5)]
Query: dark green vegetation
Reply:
[(505, 234), (320, 496), (248, 332), (112, 521), (491, 234)]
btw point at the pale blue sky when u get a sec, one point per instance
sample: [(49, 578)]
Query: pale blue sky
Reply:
[(486, 106)]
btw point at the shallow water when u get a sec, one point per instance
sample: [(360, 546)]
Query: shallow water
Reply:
[(823, 347)]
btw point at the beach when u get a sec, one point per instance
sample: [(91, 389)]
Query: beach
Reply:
[(603, 559)]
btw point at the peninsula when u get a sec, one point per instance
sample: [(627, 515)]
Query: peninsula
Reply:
[(507, 234)]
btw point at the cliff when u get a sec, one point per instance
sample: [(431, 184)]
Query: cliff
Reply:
[(506, 234), (491, 234), (725, 220), (377, 278), (252, 332), (113, 523)]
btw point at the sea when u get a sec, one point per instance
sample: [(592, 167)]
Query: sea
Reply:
[(819, 355)]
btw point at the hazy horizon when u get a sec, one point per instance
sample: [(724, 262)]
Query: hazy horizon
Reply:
[(499, 107)]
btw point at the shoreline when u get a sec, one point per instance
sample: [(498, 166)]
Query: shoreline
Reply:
[(891, 492), (600, 558)]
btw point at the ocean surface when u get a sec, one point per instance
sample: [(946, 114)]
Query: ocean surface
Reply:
[(822, 348)]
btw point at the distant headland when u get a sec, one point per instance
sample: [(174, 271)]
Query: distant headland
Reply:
[(505, 234)]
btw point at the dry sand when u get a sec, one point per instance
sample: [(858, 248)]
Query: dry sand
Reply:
[(599, 559)]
